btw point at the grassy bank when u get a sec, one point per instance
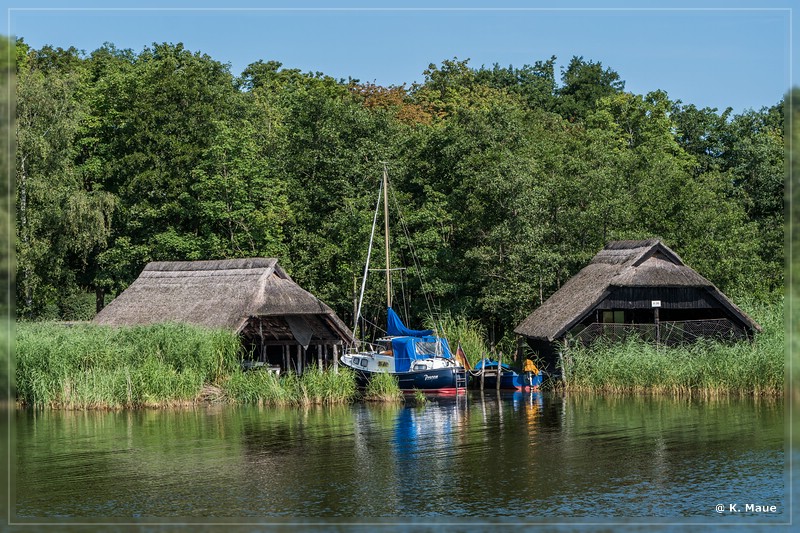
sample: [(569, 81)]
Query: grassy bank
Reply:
[(707, 367), (7, 329), (314, 387), (88, 366), (97, 367)]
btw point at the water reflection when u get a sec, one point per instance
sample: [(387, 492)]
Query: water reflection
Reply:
[(521, 456)]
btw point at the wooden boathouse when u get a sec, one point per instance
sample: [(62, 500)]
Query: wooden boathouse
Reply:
[(633, 287), (281, 324)]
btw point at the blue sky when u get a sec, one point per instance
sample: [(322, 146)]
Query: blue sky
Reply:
[(727, 53)]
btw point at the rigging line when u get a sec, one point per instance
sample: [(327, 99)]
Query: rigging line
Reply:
[(404, 295), (375, 326), (414, 257), (428, 298), (369, 253)]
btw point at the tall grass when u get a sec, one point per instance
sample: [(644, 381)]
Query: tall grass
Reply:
[(313, 387), (419, 398), (90, 366), (7, 328), (458, 329), (383, 387), (706, 367)]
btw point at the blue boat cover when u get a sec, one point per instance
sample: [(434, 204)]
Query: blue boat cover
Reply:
[(408, 349), (492, 364), (396, 328)]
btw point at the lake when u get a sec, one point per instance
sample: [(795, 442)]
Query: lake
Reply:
[(521, 458)]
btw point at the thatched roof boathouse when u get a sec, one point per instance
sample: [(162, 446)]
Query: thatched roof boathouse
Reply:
[(639, 287), (280, 323)]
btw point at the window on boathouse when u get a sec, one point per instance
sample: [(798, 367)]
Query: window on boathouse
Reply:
[(613, 317)]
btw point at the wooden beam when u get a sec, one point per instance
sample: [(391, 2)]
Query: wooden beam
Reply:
[(335, 359), (293, 342)]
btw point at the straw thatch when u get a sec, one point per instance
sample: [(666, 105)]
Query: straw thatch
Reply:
[(639, 265), (221, 294)]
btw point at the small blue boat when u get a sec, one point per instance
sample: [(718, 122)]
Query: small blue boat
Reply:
[(511, 378)]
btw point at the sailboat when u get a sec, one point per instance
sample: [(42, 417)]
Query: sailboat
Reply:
[(418, 359)]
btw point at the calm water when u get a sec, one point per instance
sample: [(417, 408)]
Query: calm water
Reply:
[(521, 456)]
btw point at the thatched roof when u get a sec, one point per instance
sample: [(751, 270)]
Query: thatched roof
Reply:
[(645, 263), (219, 294)]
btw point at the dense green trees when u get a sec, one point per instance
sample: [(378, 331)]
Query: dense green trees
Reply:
[(505, 182), (6, 195)]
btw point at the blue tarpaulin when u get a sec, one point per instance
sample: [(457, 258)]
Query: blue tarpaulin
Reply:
[(408, 349), (411, 344), (396, 328)]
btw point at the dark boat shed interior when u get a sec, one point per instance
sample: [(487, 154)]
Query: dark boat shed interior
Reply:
[(632, 287)]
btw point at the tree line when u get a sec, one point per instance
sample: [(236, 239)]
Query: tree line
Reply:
[(505, 181)]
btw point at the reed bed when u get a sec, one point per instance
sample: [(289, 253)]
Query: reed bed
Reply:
[(793, 346), (313, 387), (458, 329), (383, 387), (707, 367), (7, 328), (90, 366)]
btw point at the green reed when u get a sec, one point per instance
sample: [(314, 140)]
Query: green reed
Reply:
[(458, 329), (383, 387), (90, 366), (706, 367), (313, 387), (420, 398), (7, 329)]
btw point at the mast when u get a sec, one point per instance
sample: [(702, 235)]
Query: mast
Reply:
[(369, 254), (386, 234)]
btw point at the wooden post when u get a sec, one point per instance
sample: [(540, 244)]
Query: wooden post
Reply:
[(299, 357), (263, 356), (285, 350), (499, 370), (335, 359), (658, 328), (483, 370)]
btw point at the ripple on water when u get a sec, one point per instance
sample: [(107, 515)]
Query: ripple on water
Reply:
[(519, 457)]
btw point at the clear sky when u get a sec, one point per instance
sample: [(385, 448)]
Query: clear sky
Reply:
[(704, 52)]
